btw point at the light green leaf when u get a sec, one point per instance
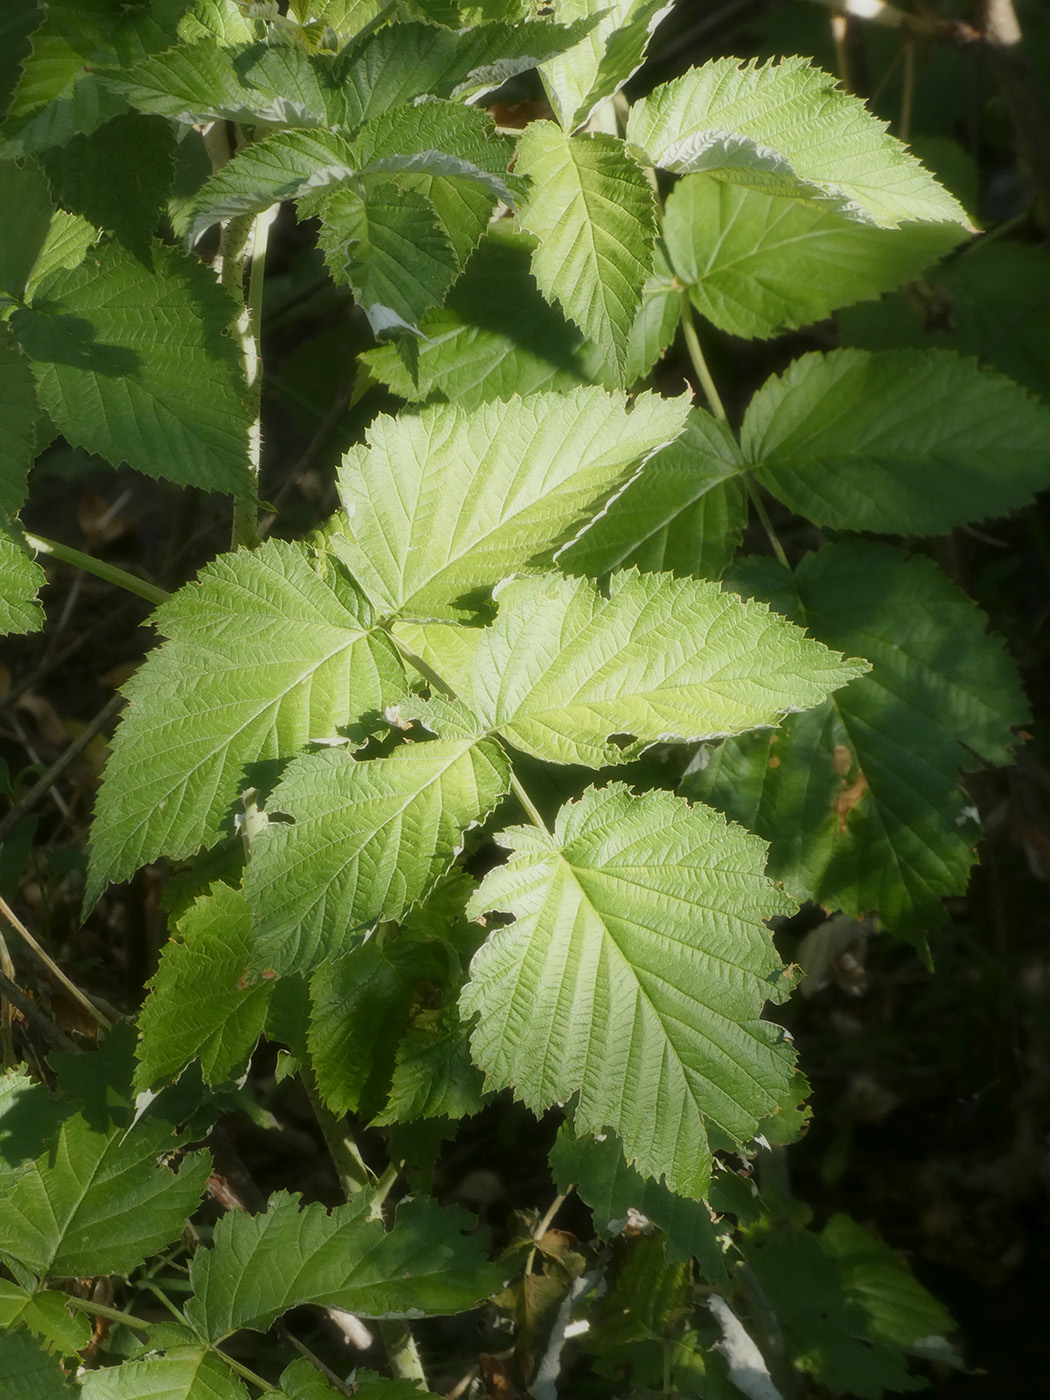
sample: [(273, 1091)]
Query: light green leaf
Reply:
[(182, 1373), (671, 659), (756, 264), (438, 138), (634, 975), (657, 321), (613, 1190), (68, 239), (264, 654), (44, 1314), (861, 798), (23, 188), (209, 81), (445, 503), (29, 1372), (788, 129), (684, 512), (98, 1203), (598, 66), (137, 364), (198, 1006), (368, 839), (446, 647), (388, 245), (20, 576), (282, 166), (81, 172), (496, 336), (262, 1265), (908, 441), (592, 210)]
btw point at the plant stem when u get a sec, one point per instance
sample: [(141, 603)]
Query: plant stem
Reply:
[(85, 1305), (353, 1175), (518, 789), (109, 572), (760, 510), (52, 967), (696, 358)]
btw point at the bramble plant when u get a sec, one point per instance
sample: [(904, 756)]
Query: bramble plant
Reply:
[(493, 780)]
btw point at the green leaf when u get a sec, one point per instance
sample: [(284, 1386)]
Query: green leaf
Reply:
[(361, 1006), (438, 138), (29, 1119), (657, 320), (861, 798), (262, 1265), (98, 1203), (756, 264), (182, 1373), (44, 1314), (170, 404), (403, 60), (25, 189), (446, 503), (198, 1007), (633, 975), (68, 239), (563, 669), (906, 441), (20, 576), (598, 66), (592, 210), (684, 512), (788, 129), (301, 1381), (434, 1076), (209, 81), (614, 1190), (81, 173), (282, 166), (60, 92), (29, 1372), (496, 336), (987, 302), (264, 654), (850, 1308), (368, 839), (387, 244)]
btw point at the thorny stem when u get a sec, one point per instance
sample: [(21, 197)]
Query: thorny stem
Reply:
[(108, 572), (52, 967)]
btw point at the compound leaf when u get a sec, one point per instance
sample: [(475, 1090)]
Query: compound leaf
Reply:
[(787, 128), (908, 441), (563, 669), (683, 512), (445, 503), (634, 975), (198, 1007), (137, 364), (263, 655), (262, 1265), (756, 264), (98, 1203), (861, 798), (592, 211), (368, 839), (599, 64)]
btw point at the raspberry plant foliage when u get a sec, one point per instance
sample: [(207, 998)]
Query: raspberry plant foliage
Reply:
[(532, 582)]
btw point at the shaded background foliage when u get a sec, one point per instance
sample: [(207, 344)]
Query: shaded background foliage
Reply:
[(930, 1092)]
